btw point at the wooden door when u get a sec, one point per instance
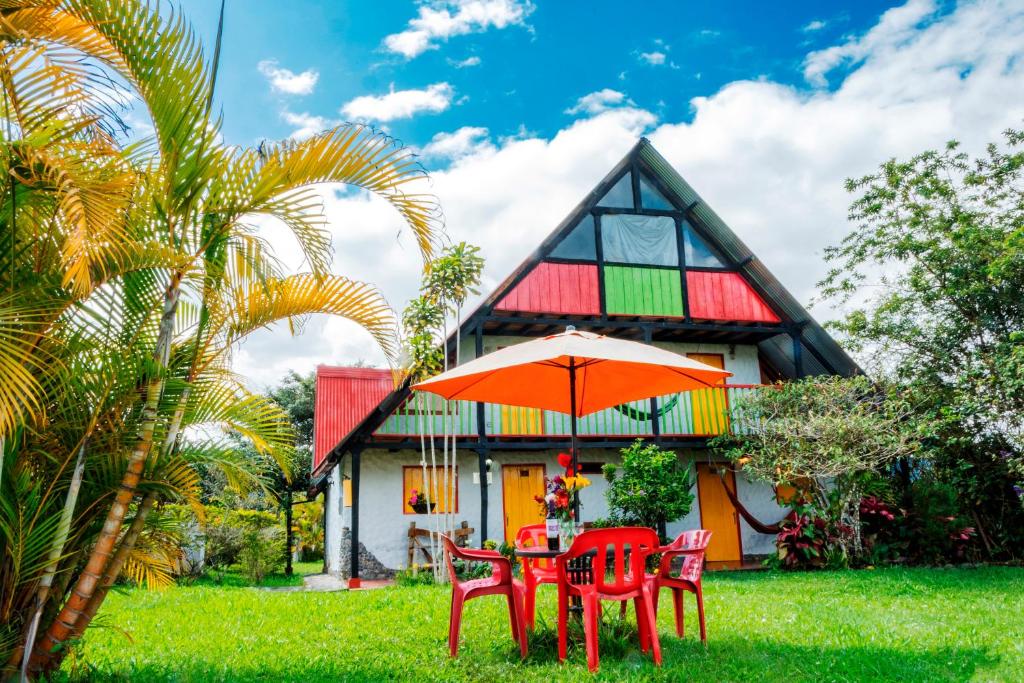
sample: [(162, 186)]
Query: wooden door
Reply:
[(718, 515), (710, 406), (519, 485)]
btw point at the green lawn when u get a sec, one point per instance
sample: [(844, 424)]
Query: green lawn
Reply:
[(889, 624)]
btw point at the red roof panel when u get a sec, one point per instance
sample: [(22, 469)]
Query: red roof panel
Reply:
[(344, 396), (722, 295), (569, 288)]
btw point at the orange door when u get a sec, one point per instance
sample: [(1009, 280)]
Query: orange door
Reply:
[(710, 406), (718, 515), (519, 485)]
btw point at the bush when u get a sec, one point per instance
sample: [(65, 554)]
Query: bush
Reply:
[(223, 545), (809, 539), (262, 552), (416, 575), (650, 488)]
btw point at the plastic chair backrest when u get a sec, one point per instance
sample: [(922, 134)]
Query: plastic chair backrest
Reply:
[(618, 557), (693, 562), (534, 536), (451, 550)]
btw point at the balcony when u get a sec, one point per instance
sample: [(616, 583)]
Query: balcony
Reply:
[(701, 413)]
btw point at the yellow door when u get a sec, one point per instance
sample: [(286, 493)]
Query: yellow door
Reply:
[(517, 421), (710, 406), (718, 515), (519, 485)]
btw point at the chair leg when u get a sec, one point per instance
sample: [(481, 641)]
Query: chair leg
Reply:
[(648, 607), (622, 610), (512, 615), (515, 610), (642, 625), (563, 622), (678, 602), (700, 615), (455, 623), (591, 623), (530, 599)]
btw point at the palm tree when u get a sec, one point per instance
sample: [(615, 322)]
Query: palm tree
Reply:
[(129, 274)]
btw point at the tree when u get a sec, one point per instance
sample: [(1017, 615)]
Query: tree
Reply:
[(130, 272), (933, 272), (651, 487), (824, 435)]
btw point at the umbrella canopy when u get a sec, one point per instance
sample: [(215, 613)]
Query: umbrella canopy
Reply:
[(574, 372)]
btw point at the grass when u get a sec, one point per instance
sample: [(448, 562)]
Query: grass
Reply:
[(232, 577), (881, 625)]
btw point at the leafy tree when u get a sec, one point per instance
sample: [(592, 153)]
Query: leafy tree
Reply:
[(827, 436), (651, 487), (933, 273)]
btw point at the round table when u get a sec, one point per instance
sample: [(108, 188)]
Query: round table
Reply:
[(538, 553), (580, 569)]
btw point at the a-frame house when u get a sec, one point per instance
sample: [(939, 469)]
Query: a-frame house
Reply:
[(641, 257)]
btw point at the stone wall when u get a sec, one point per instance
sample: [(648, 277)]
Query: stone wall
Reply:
[(369, 566)]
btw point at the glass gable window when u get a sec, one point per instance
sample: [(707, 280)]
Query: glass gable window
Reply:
[(579, 244), (651, 198), (698, 254), (643, 240), (621, 194)]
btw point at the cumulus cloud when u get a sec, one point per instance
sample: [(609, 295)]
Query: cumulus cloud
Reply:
[(400, 104), (653, 58), (812, 26), (463, 63), (769, 158), (438, 21), (457, 144), (306, 124), (286, 81), (597, 102)]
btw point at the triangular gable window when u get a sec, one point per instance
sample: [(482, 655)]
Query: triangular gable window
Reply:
[(698, 253), (651, 198), (621, 194), (579, 244)]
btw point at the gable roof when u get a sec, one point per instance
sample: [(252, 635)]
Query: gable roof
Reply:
[(772, 313), (344, 397)]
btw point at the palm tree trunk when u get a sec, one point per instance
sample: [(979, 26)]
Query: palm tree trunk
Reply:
[(56, 550), (65, 624)]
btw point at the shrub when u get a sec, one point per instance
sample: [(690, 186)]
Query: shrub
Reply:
[(650, 488), (809, 539), (262, 552), (416, 575)]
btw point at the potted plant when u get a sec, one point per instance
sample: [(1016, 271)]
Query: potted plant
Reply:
[(420, 502)]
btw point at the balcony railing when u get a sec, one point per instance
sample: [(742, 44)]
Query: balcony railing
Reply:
[(704, 412)]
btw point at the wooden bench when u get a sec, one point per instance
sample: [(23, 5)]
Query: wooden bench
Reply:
[(420, 540)]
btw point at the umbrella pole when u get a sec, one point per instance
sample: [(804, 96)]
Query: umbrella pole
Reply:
[(572, 438)]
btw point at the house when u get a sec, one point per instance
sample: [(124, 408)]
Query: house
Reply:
[(641, 257)]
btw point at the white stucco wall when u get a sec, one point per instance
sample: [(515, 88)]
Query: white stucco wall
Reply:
[(383, 526)]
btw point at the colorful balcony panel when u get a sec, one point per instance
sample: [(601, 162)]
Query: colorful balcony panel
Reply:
[(567, 288), (643, 291), (725, 296)]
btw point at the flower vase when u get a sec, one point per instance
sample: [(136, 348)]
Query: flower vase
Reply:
[(567, 533)]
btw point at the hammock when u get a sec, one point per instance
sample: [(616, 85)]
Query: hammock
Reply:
[(644, 416), (754, 522)]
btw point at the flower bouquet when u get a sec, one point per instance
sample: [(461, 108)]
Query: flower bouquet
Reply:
[(561, 498)]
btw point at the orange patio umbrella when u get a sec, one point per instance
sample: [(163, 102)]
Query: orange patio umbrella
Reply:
[(574, 372)]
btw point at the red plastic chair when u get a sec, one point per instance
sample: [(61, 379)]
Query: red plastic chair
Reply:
[(500, 582), (536, 570), (690, 545), (626, 582)]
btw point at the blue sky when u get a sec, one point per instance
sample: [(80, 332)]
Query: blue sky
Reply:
[(519, 107), (659, 54)]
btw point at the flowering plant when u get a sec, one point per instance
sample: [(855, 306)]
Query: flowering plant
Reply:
[(561, 492), (420, 501)]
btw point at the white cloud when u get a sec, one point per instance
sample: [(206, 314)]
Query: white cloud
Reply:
[(814, 25), (306, 124), (439, 20), (653, 58), (769, 158), (463, 63), (288, 82), (896, 28), (400, 104), (597, 102), (458, 144)]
